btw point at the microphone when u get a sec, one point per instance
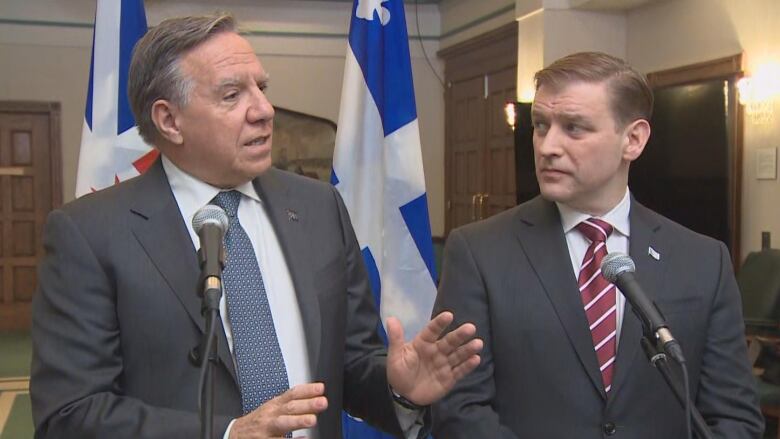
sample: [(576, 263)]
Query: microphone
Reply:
[(619, 269), (210, 222)]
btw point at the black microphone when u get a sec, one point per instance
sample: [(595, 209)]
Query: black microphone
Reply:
[(210, 222), (619, 269)]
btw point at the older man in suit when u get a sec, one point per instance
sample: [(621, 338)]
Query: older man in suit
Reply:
[(562, 357), (116, 314)]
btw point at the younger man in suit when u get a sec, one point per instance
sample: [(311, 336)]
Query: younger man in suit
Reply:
[(561, 357)]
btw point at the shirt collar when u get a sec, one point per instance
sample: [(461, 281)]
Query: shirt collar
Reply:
[(617, 217), (192, 193)]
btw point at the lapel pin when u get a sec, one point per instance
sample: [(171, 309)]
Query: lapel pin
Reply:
[(292, 215), (653, 253)]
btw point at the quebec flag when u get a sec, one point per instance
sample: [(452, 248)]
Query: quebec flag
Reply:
[(377, 168), (111, 149)]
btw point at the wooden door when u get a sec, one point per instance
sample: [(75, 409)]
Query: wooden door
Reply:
[(500, 189), (479, 145), (465, 149), (29, 189)]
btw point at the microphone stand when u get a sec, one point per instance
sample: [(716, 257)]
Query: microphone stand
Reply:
[(658, 359), (209, 355), (210, 290)]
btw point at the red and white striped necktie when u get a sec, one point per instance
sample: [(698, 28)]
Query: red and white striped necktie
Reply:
[(599, 297)]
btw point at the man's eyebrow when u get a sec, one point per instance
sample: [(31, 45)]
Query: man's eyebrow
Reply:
[(573, 117), (228, 82), (537, 114)]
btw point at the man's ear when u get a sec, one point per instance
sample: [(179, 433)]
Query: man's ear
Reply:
[(636, 135), (164, 117)]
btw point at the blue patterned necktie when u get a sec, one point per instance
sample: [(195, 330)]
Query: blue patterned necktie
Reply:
[(261, 371)]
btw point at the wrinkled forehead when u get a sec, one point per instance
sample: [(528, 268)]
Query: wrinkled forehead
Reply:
[(226, 53)]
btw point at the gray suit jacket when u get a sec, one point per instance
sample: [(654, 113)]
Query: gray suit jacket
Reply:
[(511, 275), (116, 313)]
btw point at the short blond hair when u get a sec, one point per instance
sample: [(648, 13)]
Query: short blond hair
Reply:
[(155, 71), (630, 95)]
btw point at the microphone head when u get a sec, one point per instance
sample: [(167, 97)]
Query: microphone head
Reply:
[(210, 214), (615, 264)]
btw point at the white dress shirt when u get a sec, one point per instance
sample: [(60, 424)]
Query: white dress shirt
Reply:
[(616, 242), (191, 194)]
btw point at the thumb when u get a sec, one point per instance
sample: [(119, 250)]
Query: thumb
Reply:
[(395, 335)]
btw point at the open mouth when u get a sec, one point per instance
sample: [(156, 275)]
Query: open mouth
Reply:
[(258, 141)]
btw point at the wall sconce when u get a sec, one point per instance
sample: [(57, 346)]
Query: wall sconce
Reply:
[(758, 92), (511, 115)]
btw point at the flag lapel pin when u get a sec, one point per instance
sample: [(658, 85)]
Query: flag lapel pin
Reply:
[(653, 253)]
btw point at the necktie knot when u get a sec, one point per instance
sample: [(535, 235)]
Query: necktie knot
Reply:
[(229, 201), (595, 230)]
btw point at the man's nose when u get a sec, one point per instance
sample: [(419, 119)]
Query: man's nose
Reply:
[(260, 108), (550, 144)]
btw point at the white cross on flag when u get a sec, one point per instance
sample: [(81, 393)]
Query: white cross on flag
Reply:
[(378, 169)]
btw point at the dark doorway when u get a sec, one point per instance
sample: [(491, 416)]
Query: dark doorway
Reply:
[(683, 172), (691, 169)]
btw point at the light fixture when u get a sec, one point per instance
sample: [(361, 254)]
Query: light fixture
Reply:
[(511, 115), (757, 92)]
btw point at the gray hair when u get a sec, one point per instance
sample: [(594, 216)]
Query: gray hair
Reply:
[(155, 71)]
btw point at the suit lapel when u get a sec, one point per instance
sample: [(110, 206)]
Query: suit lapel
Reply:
[(542, 238), (290, 219), (161, 231), (649, 273)]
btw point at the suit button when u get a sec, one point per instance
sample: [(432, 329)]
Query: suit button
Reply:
[(195, 356), (610, 429)]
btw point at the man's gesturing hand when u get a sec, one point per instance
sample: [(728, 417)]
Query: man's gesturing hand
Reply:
[(293, 410), (426, 368)]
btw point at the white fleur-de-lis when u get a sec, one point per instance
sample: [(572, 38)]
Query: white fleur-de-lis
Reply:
[(366, 9)]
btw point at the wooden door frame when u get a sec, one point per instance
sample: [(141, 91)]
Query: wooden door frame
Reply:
[(53, 111), (488, 51), (728, 68)]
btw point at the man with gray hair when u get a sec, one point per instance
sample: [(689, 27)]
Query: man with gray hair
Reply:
[(116, 315), (562, 355)]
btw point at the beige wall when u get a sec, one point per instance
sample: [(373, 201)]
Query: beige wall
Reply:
[(530, 52), (569, 31), (51, 63), (681, 32), (465, 19), (552, 30)]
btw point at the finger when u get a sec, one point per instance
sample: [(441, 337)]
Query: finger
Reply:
[(287, 423), (302, 391), (436, 326), (305, 406), (466, 367), (456, 338), (464, 352), (395, 334)]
